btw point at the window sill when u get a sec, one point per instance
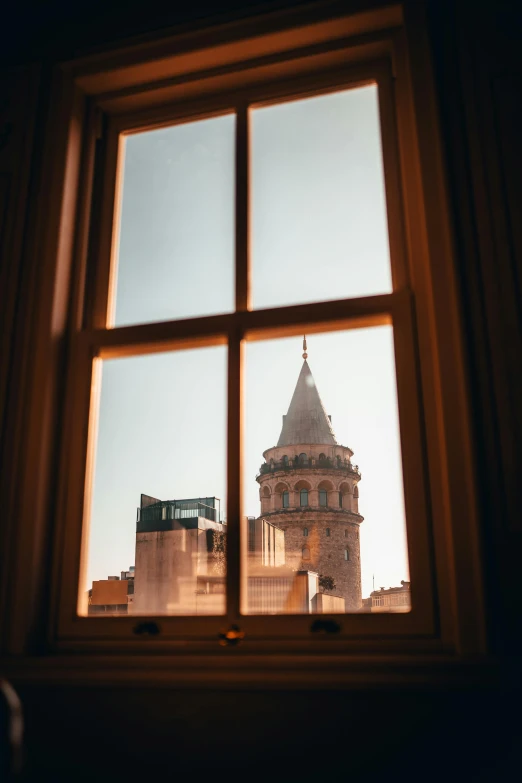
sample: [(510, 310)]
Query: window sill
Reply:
[(238, 668)]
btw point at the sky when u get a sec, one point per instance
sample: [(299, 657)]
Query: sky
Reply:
[(319, 232)]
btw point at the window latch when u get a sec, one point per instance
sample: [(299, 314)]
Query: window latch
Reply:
[(232, 637)]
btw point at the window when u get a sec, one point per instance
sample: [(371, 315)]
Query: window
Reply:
[(192, 164), (327, 532), (305, 553), (109, 326), (305, 532), (346, 554)]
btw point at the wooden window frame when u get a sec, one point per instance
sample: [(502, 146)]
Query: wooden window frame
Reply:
[(201, 73)]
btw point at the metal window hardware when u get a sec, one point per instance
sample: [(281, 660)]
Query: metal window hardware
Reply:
[(232, 637)]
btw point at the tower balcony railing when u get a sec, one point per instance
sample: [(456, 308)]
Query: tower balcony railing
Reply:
[(310, 464)]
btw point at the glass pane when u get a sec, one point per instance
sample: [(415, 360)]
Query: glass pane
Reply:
[(176, 243), (338, 544), (319, 210), (157, 533)]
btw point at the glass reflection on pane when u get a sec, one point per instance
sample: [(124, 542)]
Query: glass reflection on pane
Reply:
[(157, 537), (325, 508), (176, 242), (320, 228)]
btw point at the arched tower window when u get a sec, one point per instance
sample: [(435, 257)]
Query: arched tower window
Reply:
[(265, 500), (303, 497), (324, 488), (327, 532), (344, 500), (355, 492), (303, 459), (305, 553), (285, 460), (322, 457), (346, 554), (280, 490), (346, 533), (305, 532)]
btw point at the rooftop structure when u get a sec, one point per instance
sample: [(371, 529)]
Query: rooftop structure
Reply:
[(391, 599), (155, 514)]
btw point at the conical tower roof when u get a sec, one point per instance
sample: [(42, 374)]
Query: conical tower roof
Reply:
[(306, 420)]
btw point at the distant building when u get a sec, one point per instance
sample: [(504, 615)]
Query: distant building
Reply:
[(180, 557), (392, 599), (266, 543), (112, 595)]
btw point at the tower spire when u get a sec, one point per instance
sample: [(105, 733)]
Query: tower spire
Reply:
[(305, 355), (306, 420)]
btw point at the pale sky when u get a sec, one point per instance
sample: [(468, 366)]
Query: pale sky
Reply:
[(319, 232)]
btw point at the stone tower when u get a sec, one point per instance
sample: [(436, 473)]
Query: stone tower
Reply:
[(308, 487)]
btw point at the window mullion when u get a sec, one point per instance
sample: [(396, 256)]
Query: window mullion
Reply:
[(234, 486), (235, 368), (242, 209)]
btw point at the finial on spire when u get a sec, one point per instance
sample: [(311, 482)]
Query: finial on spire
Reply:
[(305, 355)]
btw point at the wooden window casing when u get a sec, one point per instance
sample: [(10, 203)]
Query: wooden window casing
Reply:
[(96, 101)]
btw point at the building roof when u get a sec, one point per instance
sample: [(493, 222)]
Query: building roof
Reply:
[(306, 420)]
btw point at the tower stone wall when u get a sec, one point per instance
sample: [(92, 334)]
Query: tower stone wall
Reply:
[(321, 538)]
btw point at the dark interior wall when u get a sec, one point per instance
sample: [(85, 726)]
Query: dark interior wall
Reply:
[(59, 30), (90, 734), (75, 733), (477, 56)]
